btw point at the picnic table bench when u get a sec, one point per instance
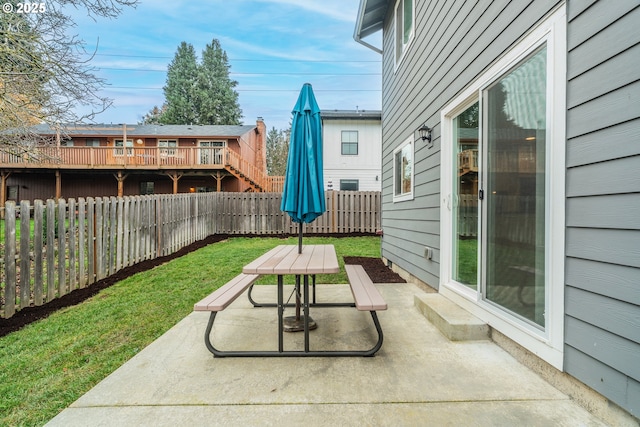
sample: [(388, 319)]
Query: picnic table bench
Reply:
[(366, 298)]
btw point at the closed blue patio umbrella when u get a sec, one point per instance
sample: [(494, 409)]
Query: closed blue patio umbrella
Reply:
[(303, 195)]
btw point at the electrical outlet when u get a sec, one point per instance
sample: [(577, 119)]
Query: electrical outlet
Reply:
[(428, 252)]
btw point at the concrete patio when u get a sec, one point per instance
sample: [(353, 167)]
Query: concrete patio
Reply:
[(418, 378)]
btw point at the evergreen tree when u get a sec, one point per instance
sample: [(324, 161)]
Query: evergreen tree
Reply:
[(200, 93), (277, 152), (153, 116), (217, 99), (180, 89)]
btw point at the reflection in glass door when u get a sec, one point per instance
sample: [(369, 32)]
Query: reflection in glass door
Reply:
[(514, 123), (465, 197)]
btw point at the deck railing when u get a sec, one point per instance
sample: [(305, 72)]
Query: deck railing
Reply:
[(51, 248), (148, 158)]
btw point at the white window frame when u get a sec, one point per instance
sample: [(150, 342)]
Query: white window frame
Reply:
[(120, 145), (549, 342), (350, 143), (168, 147), (350, 181), (398, 39), (408, 195), (211, 151)]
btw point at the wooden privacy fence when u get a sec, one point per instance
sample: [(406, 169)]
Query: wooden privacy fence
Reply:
[(52, 248)]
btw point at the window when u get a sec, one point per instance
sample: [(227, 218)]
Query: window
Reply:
[(503, 178), (12, 192), (146, 187), (119, 143), (165, 144), (349, 142), (403, 172), (211, 152), (92, 142), (403, 28), (349, 184)]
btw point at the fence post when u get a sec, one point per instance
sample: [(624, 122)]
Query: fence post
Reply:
[(10, 259)]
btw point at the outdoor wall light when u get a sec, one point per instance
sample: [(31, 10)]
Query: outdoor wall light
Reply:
[(425, 134)]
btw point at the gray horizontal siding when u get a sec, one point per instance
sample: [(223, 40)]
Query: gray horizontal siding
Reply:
[(595, 18), (610, 75), (611, 143), (609, 109), (616, 211), (577, 7), (605, 245), (602, 298), (454, 42), (615, 37), (612, 177), (618, 387), (608, 348), (607, 314), (610, 280)]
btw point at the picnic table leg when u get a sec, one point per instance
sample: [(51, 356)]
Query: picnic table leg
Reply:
[(306, 313), (280, 314), (313, 286)]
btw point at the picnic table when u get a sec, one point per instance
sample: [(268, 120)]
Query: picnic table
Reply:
[(286, 260)]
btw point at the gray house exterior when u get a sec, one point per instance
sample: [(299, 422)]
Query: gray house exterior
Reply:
[(524, 205)]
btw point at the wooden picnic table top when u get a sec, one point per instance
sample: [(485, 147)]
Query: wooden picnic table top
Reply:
[(285, 259)]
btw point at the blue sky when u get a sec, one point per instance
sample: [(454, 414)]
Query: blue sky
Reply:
[(273, 46)]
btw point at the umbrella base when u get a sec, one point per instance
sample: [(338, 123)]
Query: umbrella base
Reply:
[(291, 324)]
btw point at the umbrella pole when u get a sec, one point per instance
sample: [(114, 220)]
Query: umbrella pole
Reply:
[(298, 277)]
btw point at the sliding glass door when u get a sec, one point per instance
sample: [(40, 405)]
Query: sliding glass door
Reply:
[(514, 123), (498, 202)]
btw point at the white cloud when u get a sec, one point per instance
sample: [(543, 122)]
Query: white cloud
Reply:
[(343, 10)]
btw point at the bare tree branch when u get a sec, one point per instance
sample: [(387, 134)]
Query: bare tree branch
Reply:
[(44, 75)]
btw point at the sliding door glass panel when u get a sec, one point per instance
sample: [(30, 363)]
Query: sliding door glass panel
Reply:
[(465, 197), (514, 114)]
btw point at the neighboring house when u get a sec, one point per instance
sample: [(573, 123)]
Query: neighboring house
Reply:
[(352, 150), (524, 206), (117, 160)]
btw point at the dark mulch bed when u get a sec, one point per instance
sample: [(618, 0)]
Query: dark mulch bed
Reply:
[(376, 269)]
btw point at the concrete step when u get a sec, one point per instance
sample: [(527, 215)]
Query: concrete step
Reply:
[(456, 323)]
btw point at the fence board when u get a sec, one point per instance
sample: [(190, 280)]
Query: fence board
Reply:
[(38, 246), (73, 279), (25, 261), (76, 243), (10, 259), (113, 229), (62, 271), (51, 238), (99, 231), (120, 233), (91, 240)]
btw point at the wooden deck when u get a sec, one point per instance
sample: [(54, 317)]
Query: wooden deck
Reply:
[(140, 158)]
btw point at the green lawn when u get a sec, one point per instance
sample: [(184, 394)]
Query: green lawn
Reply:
[(49, 364)]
